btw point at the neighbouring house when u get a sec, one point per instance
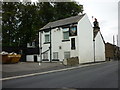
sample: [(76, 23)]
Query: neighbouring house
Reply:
[(98, 43), (32, 52), (71, 37), (112, 52)]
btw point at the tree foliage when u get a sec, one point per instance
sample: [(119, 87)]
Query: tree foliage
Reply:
[(21, 21)]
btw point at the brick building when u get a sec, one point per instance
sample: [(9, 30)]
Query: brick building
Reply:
[(112, 52)]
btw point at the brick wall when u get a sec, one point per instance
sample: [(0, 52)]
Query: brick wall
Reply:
[(112, 51)]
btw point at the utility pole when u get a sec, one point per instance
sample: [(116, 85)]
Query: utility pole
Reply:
[(50, 46), (40, 48), (117, 40), (93, 37), (96, 29), (117, 49), (113, 47), (113, 40), (94, 48)]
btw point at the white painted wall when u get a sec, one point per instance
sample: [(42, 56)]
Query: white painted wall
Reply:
[(74, 53), (45, 46), (85, 40), (84, 43), (99, 48), (57, 42), (57, 37), (30, 58)]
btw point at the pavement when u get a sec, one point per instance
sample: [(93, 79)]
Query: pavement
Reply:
[(22, 68)]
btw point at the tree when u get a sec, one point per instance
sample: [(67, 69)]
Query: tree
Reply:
[(67, 9), (27, 27), (22, 21), (0, 23), (9, 23)]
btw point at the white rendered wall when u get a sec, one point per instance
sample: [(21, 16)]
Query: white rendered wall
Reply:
[(56, 38), (57, 42), (85, 41), (99, 48), (45, 46), (74, 53), (30, 58)]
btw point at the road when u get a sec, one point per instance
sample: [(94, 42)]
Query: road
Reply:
[(103, 75)]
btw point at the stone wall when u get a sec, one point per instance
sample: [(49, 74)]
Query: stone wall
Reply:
[(71, 61)]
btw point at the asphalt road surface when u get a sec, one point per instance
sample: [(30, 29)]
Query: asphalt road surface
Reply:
[(103, 75)]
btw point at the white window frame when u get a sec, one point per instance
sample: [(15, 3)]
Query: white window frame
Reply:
[(45, 55), (65, 30), (48, 38), (65, 54), (55, 55)]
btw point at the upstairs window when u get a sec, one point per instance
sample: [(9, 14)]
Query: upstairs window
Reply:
[(47, 38), (66, 34)]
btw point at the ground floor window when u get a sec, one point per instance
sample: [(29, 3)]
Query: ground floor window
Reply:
[(45, 55), (55, 55), (66, 55)]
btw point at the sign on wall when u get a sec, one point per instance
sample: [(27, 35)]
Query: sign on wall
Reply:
[(73, 31)]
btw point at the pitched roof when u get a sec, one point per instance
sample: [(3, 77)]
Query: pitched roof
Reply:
[(95, 34), (66, 21), (102, 37)]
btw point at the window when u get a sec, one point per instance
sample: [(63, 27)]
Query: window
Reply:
[(31, 44), (47, 38), (66, 34), (66, 55), (45, 55), (73, 31), (55, 55), (73, 43)]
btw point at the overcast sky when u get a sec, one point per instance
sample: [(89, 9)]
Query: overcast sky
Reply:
[(106, 12)]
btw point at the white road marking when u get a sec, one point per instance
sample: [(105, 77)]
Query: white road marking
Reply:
[(41, 73)]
